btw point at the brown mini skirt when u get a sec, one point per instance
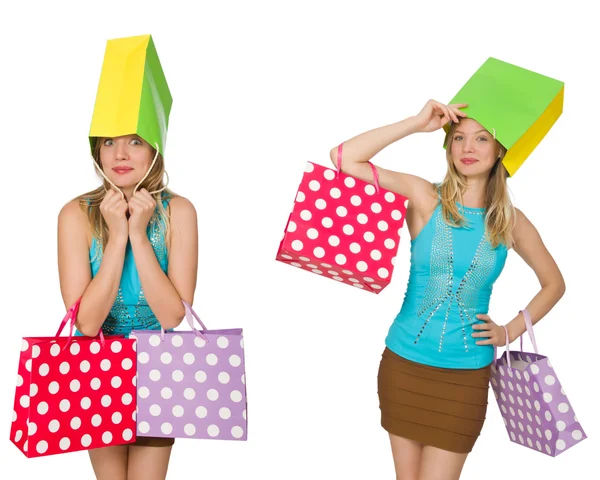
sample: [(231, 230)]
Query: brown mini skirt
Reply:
[(153, 442), (441, 407)]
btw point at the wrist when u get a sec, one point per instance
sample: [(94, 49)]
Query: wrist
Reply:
[(118, 239), (138, 238), (411, 124), (513, 332)]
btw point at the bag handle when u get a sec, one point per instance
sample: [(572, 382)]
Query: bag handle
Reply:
[(507, 348), (529, 326), (373, 168), (70, 318), (190, 314)]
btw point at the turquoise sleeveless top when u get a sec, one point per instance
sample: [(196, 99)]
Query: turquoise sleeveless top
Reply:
[(452, 273), (130, 310)]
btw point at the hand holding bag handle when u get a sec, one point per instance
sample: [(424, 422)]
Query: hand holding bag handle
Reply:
[(373, 168), (529, 326), (507, 348), (71, 318)]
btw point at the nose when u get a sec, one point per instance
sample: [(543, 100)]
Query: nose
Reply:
[(121, 151), (469, 145)]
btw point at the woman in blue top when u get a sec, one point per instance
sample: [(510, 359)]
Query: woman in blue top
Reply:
[(142, 243), (434, 373)]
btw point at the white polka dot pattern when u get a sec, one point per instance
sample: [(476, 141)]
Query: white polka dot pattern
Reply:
[(205, 382), (58, 403), (542, 417), (344, 222)]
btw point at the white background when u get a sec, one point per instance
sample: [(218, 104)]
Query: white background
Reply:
[(260, 88)]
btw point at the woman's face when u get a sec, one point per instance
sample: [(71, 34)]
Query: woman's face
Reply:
[(125, 160), (474, 150)]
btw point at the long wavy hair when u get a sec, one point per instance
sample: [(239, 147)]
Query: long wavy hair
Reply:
[(499, 211), (91, 201)]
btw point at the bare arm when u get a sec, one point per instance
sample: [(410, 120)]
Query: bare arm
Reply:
[(165, 292), (531, 248), (361, 149), (75, 273)]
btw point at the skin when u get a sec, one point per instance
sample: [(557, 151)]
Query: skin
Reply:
[(127, 220), (412, 460)]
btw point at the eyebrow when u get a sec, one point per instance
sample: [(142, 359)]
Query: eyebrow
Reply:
[(482, 130)]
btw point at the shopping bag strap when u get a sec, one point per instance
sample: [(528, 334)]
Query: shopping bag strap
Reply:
[(71, 318), (507, 348), (529, 326), (373, 168), (190, 314)]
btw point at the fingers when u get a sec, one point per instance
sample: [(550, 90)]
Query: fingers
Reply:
[(144, 199)]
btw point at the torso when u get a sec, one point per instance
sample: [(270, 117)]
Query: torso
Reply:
[(130, 310), (452, 273)]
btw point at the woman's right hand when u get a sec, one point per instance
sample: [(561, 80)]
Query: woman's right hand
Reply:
[(114, 210), (435, 115)]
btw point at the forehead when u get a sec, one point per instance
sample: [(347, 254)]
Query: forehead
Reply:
[(126, 137), (468, 125)]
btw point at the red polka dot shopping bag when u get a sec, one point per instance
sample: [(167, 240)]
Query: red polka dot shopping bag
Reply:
[(74, 393), (191, 384), (535, 409), (344, 228)]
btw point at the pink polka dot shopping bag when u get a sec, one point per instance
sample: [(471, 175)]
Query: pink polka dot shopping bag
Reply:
[(344, 228), (533, 405), (74, 393), (191, 384)]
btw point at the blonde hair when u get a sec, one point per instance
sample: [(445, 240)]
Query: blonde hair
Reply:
[(499, 210), (153, 182)]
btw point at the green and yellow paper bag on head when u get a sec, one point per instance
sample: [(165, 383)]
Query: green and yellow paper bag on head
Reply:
[(133, 95), (517, 105)]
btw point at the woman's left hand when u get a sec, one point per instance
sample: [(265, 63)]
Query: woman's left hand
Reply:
[(495, 333), (141, 209)]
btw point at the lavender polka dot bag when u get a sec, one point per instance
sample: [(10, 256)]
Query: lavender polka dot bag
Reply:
[(191, 384), (533, 405)]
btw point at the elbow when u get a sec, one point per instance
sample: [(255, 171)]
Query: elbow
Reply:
[(174, 321), (333, 155), (561, 288), (85, 330)]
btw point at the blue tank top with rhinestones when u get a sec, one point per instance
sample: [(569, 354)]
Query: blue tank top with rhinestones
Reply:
[(452, 273), (130, 310)]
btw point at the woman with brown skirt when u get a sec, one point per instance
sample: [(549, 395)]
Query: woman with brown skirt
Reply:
[(434, 373)]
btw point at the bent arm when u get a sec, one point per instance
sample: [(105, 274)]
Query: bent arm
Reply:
[(165, 292), (358, 151), (531, 248), (98, 294)]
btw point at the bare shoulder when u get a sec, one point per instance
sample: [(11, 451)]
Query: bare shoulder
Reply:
[(73, 213), (73, 219), (523, 229), (181, 207)]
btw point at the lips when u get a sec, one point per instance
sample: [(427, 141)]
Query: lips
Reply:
[(122, 170), (468, 160)]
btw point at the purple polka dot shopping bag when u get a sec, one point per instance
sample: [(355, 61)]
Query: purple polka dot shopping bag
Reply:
[(533, 405), (191, 384), (344, 228)]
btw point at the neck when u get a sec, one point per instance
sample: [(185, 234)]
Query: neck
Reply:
[(475, 193)]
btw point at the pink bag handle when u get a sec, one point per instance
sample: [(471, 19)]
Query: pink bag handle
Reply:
[(71, 318), (373, 168), (529, 326), (189, 315), (507, 348)]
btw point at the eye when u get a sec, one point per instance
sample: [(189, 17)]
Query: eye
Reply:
[(482, 138), (108, 142), (136, 141), (458, 137)]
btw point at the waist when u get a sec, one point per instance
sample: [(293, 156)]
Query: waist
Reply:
[(441, 338)]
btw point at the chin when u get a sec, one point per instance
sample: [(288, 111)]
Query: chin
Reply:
[(472, 170)]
